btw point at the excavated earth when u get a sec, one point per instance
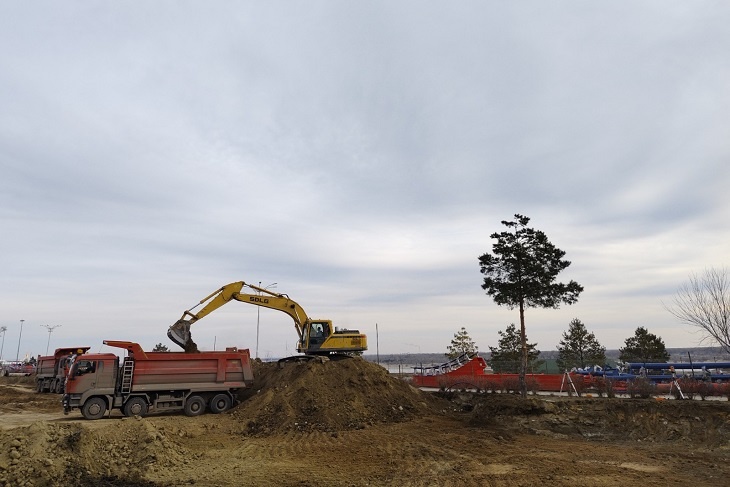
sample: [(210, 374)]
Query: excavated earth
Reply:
[(349, 423)]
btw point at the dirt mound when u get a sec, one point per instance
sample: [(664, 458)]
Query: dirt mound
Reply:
[(326, 395), (698, 422), (68, 454), (18, 396)]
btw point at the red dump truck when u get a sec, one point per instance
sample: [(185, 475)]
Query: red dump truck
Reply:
[(156, 381), (51, 370)]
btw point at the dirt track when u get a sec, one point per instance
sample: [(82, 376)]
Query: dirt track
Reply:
[(350, 424)]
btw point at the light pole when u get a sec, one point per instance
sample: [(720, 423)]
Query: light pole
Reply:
[(258, 316), (17, 354), (50, 330), (3, 329)]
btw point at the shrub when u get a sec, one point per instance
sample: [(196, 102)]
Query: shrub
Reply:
[(490, 385), (690, 387), (578, 384), (641, 387), (603, 385), (705, 389), (532, 385), (511, 384), (723, 389)]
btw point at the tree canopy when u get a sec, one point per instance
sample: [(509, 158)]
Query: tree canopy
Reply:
[(521, 272), (704, 302), (579, 348), (507, 355), (644, 347), (461, 343)]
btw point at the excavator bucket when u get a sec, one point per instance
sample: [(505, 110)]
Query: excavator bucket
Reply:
[(179, 333)]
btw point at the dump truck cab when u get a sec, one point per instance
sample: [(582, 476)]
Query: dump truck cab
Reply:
[(91, 375)]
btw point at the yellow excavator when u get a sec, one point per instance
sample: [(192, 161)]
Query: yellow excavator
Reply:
[(316, 337)]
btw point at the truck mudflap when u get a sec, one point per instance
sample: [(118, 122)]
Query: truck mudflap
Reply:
[(66, 401), (70, 402)]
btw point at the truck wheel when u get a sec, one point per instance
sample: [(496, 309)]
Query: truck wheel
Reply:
[(136, 406), (39, 385), (220, 403), (194, 406), (94, 408)]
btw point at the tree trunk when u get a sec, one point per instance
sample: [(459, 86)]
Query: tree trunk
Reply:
[(523, 347)]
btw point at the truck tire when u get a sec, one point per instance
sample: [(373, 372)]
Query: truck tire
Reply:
[(136, 406), (220, 403), (194, 406), (94, 408)]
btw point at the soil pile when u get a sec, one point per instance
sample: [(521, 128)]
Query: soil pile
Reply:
[(118, 452), (327, 395), (617, 419), (18, 396)]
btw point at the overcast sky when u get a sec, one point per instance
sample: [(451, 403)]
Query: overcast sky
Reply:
[(359, 155)]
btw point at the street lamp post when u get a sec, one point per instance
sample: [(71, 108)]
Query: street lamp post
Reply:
[(50, 330), (17, 354), (3, 329), (258, 317)]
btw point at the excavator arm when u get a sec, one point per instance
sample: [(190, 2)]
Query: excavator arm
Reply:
[(180, 331)]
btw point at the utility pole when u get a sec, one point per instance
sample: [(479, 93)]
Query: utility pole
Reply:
[(17, 354), (377, 344), (3, 329), (50, 330), (258, 317)]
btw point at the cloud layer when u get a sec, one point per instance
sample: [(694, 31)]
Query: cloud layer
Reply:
[(358, 155)]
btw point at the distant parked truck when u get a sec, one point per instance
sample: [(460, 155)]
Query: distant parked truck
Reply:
[(51, 370), (156, 381), (17, 368)]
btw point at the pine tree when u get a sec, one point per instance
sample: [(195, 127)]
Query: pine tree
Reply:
[(160, 348), (579, 348), (521, 274), (507, 356), (461, 344), (644, 347)]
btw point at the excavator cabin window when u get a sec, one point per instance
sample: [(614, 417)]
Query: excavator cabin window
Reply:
[(317, 334)]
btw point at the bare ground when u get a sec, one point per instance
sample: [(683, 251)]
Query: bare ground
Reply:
[(348, 423)]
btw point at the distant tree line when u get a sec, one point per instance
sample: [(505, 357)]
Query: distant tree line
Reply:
[(577, 349)]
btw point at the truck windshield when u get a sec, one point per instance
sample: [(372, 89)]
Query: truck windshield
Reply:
[(84, 367)]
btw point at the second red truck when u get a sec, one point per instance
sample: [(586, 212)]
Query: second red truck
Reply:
[(156, 381)]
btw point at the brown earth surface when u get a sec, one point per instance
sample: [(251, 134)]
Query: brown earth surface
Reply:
[(349, 423)]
